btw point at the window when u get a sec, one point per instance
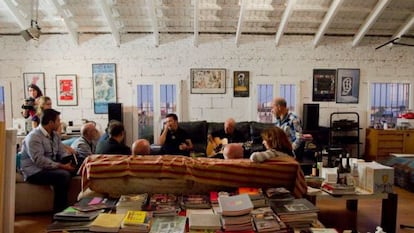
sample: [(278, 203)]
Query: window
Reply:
[(387, 101), (265, 95), (154, 101)]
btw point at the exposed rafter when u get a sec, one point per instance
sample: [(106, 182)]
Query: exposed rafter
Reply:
[(154, 21), (240, 22), (333, 9), (283, 22), (110, 20), (73, 33), (23, 23), (405, 27), (381, 5), (196, 22)]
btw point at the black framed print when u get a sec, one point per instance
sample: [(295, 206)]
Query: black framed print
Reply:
[(323, 85), (347, 87), (241, 84)]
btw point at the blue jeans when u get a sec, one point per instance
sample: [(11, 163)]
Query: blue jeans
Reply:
[(60, 180)]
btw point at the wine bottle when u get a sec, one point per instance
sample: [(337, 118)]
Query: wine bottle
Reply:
[(315, 168), (347, 166), (340, 172)]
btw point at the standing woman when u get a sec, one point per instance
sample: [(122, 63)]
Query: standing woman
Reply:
[(30, 104), (44, 102)]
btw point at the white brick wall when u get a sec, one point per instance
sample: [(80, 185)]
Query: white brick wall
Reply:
[(137, 57)]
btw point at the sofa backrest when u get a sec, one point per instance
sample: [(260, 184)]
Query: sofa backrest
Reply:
[(197, 130), (256, 129)]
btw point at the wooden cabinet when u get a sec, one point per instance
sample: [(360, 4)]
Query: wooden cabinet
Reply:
[(380, 143)]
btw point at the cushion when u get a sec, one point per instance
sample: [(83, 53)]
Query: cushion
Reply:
[(197, 130)]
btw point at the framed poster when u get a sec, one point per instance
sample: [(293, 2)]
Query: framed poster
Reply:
[(241, 84), (347, 86), (323, 85), (104, 86), (208, 81), (33, 78), (66, 90)]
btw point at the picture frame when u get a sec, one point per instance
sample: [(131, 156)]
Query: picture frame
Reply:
[(347, 87), (208, 81), (323, 88), (37, 78), (66, 90), (241, 81), (104, 86)]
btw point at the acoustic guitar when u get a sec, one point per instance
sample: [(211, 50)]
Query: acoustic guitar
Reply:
[(215, 146)]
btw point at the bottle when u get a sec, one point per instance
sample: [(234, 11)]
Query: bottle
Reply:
[(340, 172), (315, 168), (348, 177), (347, 166)]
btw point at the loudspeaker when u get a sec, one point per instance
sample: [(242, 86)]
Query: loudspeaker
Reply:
[(115, 112), (310, 116)]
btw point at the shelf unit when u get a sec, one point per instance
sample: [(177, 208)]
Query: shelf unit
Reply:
[(344, 132)]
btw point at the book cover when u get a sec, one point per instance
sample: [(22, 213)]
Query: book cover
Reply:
[(235, 205), (137, 218), (132, 199), (72, 214), (171, 224), (107, 222), (68, 226), (204, 221), (93, 203), (294, 206)]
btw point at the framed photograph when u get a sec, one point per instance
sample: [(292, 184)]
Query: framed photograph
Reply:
[(347, 86), (323, 85), (66, 90), (208, 81), (33, 78), (104, 86), (241, 84)]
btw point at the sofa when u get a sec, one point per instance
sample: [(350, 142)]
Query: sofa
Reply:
[(198, 131), (114, 175)]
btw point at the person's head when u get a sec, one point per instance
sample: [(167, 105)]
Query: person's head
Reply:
[(275, 138), (89, 131), (44, 102), (171, 121), (279, 106), (233, 151), (50, 119), (117, 131), (141, 147), (110, 123), (229, 126), (34, 91)]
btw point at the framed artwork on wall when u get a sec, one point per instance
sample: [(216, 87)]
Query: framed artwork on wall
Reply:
[(347, 86), (208, 81), (241, 84), (33, 78), (323, 85), (66, 90), (104, 86)]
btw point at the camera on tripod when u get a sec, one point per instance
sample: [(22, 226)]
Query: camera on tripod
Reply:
[(28, 104)]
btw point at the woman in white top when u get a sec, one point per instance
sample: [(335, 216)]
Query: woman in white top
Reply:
[(276, 143)]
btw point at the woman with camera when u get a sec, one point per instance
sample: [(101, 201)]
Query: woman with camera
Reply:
[(30, 104)]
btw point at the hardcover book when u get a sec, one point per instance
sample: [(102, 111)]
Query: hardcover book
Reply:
[(137, 218), (204, 221), (171, 224), (107, 222), (235, 205), (95, 203), (58, 226), (71, 214), (295, 206)]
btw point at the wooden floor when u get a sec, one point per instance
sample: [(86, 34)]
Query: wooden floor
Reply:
[(332, 214)]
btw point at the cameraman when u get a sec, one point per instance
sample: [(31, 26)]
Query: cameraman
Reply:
[(29, 105)]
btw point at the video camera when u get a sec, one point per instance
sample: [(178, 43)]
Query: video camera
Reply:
[(29, 104)]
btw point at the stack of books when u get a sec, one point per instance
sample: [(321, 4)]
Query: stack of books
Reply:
[(256, 196), (338, 189), (72, 214), (136, 221), (95, 203), (265, 220), (162, 204), (169, 224), (203, 220), (235, 212), (131, 202), (297, 214), (195, 201), (106, 222)]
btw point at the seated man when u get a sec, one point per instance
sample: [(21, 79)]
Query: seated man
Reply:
[(233, 151), (85, 145), (228, 134), (42, 159), (115, 143), (141, 147), (173, 139)]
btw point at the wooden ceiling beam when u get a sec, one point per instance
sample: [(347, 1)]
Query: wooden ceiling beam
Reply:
[(333, 9), (285, 17), (110, 20), (72, 31)]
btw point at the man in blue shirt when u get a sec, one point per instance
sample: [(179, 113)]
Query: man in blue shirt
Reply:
[(290, 123), (42, 158)]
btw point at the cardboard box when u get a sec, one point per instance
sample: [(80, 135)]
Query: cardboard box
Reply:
[(378, 178)]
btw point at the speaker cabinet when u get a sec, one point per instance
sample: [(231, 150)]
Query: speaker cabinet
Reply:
[(115, 112), (310, 116)]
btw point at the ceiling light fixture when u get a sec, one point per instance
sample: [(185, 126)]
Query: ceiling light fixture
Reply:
[(34, 31)]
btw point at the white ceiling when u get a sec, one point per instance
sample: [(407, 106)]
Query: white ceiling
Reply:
[(319, 18)]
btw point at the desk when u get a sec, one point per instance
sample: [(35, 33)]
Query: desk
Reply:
[(388, 209)]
